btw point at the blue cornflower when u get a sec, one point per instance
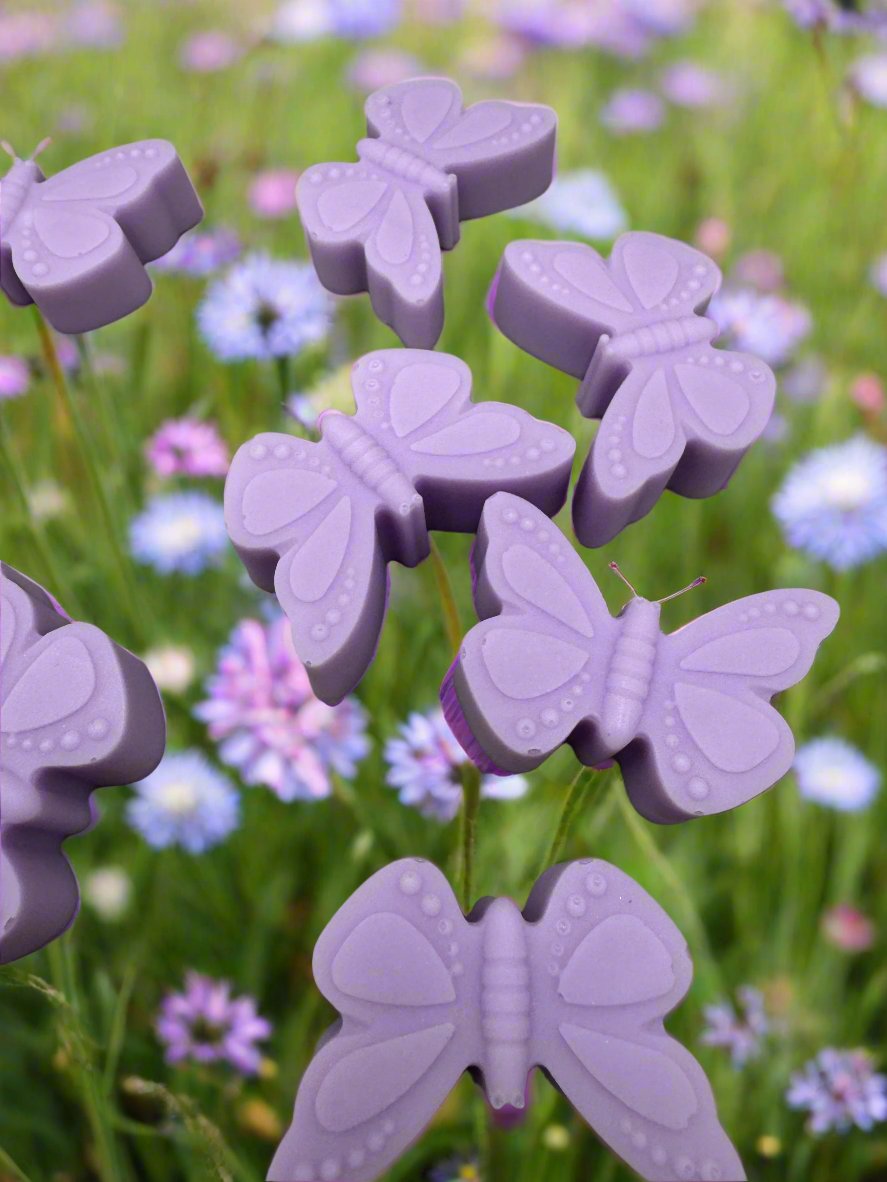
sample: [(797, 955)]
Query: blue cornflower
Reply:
[(364, 18), (839, 1089), (833, 503), (179, 532), (832, 772), (764, 323), (583, 202), (185, 802), (263, 308), (740, 1029), (424, 763)]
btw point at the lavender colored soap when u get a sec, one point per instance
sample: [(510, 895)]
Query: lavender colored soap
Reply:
[(380, 225), (76, 244), (675, 412), (686, 714), (77, 712), (577, 984), (318, 522)]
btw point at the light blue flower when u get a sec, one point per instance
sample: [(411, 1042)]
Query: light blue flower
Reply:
[(740, 1029), (839, 1089), (308, 20), (179, 532), (879, 274), (264, 308), (832, 772), (424, 765), (583, 202), (185, 802), (764, 323), (833, 503)]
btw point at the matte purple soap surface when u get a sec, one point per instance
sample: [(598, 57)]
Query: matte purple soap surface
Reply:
[(77, 712), (380, 225), (578, 984), (318, 522), (675, 412), (685, 714), (75, 244)]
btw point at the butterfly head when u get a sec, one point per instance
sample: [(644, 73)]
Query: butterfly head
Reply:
[(27, 169)]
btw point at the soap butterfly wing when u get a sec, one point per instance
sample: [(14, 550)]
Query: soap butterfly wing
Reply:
[(389, 961), (425, 116), (417, 404), (530, 671), (608, 965), (72, 703), (96, 224), (703, 398), (368, 231), (556, 299), (709, 735), (303, 528)]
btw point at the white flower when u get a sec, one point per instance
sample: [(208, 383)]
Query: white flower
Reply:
[(832, 772), (108, 890)]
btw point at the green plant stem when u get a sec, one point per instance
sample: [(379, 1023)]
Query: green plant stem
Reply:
[(12, 1169), (108, 413), (573, 802), (468, 832), (93, 469), (452, 623), (282, 365), (37, 533)]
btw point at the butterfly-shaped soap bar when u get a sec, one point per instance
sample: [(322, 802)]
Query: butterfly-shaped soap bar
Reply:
[(318, 522), (380, 225), (77, 712), (685, 714), (76, 244), (675, 412), (577, 984)]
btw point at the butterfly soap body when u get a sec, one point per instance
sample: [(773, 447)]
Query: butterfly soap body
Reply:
[(685, 714), (675, 412), (577, 983), (380, 225), (76, 243), (76, 712), (318, 522)]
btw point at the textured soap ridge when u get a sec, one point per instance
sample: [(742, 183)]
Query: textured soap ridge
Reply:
[(77, 712), (578, 983), (685, 714)]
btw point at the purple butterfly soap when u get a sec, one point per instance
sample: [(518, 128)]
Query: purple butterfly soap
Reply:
[(318, 522), (77, 712), (577, 984), (685, 714), (675, 412), (76, 244), (379, 225)]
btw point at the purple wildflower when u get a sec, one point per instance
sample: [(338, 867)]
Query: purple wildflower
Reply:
[(424, 765), (868, 77), (207, 1025), (209, 51), (688, 84), (768, 325), (184, 802), (272, 193), (838, 16), (740, 1029), (879, 274), (180, 532), (629, 111), (201, 252), (805, 380), (839, 1089), (261, 710), (25, 34), (93, 24), (760, 269), (187, 447), (15, 377), (371, 69)]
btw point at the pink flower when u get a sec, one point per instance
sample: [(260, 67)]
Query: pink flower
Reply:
[(272, 194), (372, 69), (209, 51), (867, 392), (847, 928), (15, 377), (187, 447), (713, 237)]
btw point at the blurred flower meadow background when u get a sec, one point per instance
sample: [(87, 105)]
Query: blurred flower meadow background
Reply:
[(164, 1036)]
